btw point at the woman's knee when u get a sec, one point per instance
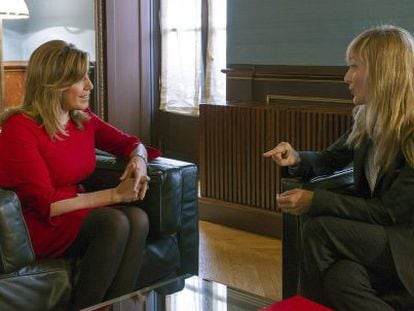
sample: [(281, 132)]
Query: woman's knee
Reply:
[(112, 222), (138, 220), (344, 278)]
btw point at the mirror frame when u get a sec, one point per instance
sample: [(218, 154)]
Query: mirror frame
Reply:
[(100, 94)]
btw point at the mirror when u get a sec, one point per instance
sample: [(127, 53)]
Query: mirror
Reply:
[(76, 21)]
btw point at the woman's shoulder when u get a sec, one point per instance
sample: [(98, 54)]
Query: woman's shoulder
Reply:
[(88, 115), (21, 118), (20, 121), (93, 119)]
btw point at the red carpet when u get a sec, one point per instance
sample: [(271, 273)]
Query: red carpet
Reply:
[(296, 303)]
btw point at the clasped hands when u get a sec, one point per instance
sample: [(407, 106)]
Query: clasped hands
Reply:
[(134, 181), (295, 201)]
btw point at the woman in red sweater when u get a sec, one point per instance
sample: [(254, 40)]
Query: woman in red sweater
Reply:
[(47, 147)]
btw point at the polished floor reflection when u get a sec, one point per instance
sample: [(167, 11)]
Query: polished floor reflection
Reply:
[(249, 264), (199, 295), (204, 295), (241, 259)]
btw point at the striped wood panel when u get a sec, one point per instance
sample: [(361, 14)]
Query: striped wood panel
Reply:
[(233, 139)]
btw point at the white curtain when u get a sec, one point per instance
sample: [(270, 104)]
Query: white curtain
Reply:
[(215, 84), (185, 81)]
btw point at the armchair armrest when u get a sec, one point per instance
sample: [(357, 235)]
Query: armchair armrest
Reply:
[(341, 181), (172, 187), (15, 247), (171, 201)]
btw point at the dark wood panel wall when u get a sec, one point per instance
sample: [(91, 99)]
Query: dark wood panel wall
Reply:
[(178, 136), (129, 32), (308, 106), (253, 83)]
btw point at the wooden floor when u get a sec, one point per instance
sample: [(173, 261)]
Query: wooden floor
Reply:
[(240, 259)]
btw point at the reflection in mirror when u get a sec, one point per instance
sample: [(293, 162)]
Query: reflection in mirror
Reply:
[(73, 21)]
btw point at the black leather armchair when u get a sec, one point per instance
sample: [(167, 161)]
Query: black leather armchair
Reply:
[(171, 250), (341, 182)]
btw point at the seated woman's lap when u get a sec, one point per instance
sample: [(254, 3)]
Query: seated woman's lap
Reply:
[(110, 244)]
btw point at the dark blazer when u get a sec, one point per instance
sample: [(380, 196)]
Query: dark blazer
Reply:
[(391, 205)]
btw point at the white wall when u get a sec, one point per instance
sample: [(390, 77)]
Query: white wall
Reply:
[(69, 20)]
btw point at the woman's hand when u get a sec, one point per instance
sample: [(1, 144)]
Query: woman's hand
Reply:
[(137, 170), (284, 155), (125, 191), (295, 201)]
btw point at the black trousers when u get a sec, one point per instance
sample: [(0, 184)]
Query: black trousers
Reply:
[(111, 245), (347, 264)]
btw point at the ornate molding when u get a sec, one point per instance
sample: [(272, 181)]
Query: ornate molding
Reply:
[(271, 98), (101, 107)]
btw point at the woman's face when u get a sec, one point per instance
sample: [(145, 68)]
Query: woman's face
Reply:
[(356, 77), (76, 97)]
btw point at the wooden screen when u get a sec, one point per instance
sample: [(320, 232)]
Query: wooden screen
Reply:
[(233, 138)]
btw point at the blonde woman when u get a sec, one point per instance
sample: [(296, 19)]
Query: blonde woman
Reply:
[(356, 248), (47, 147)]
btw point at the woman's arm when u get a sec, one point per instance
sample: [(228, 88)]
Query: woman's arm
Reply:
[(137, 169), (25, 170), (336, 157), (118, 143), (124, 192), (112, 140), (393, 204), (308, 164), (133, 186)]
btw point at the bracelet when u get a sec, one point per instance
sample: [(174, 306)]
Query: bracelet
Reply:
[(142, 157), (141, 151)]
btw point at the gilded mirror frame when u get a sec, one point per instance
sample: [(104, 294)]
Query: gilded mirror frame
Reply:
[(100, 94)]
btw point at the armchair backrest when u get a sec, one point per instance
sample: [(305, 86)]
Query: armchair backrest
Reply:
[(15, 247)]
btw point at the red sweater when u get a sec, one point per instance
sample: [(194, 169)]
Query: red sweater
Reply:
[(42, 170)]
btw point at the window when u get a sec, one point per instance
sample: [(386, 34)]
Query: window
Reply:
[(193, 53)]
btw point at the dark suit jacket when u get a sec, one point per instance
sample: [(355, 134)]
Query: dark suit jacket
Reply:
[(391, 205)]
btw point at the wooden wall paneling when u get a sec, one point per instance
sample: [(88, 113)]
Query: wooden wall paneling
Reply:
[(129, 62), (178, 136), (305, 105), (227, 149), (239, 84), (14, 73), (264, 169), (258, 143), (262, 127), (202, 147), (252, 83), (240, 171), (149, 67), (298, 87), (219, 141)]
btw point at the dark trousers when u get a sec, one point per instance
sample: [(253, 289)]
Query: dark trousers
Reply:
[(347, 264), (111, 246)]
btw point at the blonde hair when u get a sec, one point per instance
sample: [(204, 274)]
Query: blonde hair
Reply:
[(387, 118), (53, 67)]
